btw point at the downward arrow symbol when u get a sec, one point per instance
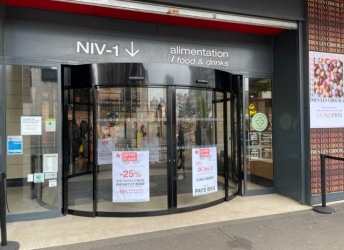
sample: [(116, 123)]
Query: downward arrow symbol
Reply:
[(132, 53)]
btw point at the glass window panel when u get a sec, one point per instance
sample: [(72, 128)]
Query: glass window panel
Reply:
[(31, 131), (259, 134)]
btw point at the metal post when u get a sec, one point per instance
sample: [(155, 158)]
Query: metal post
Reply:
[(3, 211), (4, 244), (323, 182), (323, 209)]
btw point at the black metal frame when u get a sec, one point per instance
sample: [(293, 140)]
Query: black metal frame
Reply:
[(171, 149), (9, 245)]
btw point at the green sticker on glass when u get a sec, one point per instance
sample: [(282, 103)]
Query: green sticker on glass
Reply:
[(259, 122), (38, 177)]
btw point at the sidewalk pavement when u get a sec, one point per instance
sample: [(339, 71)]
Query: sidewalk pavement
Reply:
[(255, 222), (296, 230)]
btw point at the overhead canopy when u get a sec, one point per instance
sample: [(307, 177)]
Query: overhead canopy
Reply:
[(171, 15)]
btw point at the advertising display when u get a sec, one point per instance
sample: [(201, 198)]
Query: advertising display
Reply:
[(105, 148), (326, 90), (130, 176), (327, 130), (204, 171)]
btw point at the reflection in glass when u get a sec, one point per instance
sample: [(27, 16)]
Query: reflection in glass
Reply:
[(199, 127)]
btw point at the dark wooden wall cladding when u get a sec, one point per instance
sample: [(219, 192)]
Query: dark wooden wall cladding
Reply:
[(326, 34)]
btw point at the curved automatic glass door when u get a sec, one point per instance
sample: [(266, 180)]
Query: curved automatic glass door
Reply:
[(200, 141), (132, 149), (148, 149), (78, 145)]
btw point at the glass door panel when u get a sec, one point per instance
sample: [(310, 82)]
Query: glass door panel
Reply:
[(258, 115), (80, 147), (232, 131), (131, 119), (199, 180), (218, 113)]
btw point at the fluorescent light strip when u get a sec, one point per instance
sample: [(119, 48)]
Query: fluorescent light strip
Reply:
[(189, 13)]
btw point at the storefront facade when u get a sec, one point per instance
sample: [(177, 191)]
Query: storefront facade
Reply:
[(106, 116), (326, 44)]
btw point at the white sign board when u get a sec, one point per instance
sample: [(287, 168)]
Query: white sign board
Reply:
[(204, 171), (53, 183), (30, 178), (31, 125), (50, 163), (130, 176), (105, 148)]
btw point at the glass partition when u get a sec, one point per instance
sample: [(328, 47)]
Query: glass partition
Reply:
[(32, 139)]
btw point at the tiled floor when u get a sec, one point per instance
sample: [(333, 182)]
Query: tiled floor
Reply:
[(73, 229)]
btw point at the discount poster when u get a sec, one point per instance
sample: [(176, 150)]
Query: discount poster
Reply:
[(130, 176), (204, 171)]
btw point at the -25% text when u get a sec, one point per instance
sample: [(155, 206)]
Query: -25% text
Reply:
[(130, 174)]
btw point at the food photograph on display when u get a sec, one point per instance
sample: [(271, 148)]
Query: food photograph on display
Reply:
[(328, 77)]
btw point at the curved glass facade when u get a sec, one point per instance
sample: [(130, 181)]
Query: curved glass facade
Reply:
[(146, 139)]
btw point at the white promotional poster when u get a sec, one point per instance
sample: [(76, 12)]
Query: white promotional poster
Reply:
[(50, 163), (31, 125), (326, 90), (105, 148), (130, 176), (151, 144), (204, 171)]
